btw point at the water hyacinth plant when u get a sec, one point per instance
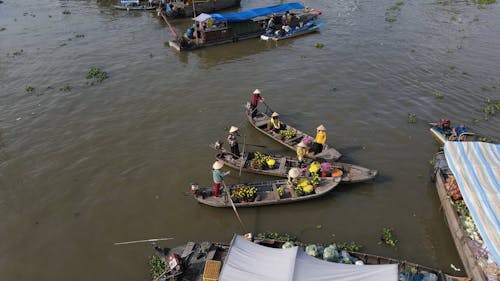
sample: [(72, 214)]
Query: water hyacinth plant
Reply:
[(388, 237), (96, 74)]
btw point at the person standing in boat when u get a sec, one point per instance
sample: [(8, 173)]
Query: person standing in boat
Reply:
[(320, 139), (218, 176), (301, 153), (275, 123), (256, 98), (232, 139)]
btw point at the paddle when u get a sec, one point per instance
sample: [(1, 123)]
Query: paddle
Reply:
[(243, 153), (234, 207)]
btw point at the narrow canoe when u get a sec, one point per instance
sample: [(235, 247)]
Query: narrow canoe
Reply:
[(134, 8), (267, 194), (443, 135), (350, 173), (193, 258), (260, 122), (299, 32)]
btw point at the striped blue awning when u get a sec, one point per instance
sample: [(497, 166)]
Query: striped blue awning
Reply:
[(476, 167)]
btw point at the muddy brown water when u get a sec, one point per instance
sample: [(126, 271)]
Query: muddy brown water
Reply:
[(110, 162)]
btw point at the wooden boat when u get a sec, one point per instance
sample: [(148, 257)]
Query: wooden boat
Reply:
[(350, 173), (267, 193), (460, 236), (202, 261), (306, 29), (215, 29), (444, 134), (134, 5), (184, 9), (260, 121)]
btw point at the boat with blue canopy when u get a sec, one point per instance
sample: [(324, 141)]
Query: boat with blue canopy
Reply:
[(215, 29)]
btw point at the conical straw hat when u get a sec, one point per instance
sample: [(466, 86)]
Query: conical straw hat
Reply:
[(301, 144), (275, 114), (257, 91), (294, 173), (321, 128), (233, 129), (217, 165)]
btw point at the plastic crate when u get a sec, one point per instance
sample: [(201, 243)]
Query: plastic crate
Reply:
[(211, 271)]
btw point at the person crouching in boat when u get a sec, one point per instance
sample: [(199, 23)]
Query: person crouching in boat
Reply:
[(320, 140), (256, 98), (232, 138), (275, 124), (301, 153), (218, 176), (293, 175)]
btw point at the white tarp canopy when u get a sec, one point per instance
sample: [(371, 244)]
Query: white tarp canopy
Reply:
[(202, 17), (247, 261)]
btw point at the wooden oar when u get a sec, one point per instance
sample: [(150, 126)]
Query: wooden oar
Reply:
[(234, 208), (243, 153), (142, 241)]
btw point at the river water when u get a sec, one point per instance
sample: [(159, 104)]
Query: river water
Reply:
[(96, 164)]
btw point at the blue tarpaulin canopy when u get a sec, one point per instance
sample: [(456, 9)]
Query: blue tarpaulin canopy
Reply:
[(257, 12), (476, 167)]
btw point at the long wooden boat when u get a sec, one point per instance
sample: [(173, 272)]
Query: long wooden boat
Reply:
[(443, 134), (215, 29), (260, 121), (306, 29), (135, 5), (460, 237), (350, 173), (267, 193), (184, 9), (196, 261)]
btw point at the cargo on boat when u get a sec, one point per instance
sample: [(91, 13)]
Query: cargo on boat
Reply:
[(216, 29), (467, 177), (190, 8), (245, 258), (136, 5), (444, 132)]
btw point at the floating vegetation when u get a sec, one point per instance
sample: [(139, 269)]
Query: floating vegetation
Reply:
[(393, 11), (65, 88), (452, 67), (432, 162), (491, 108), (96, 74), (474, 120), (18, 53), (166, 43), (151, 55), (29, 89), (333, 89), (66, 12), (464, 72), (485, 88), (319, 45), (2, 28), (390, 18), (439, 96), (276, 236), (412, 118), (388, 237), (79, 35)]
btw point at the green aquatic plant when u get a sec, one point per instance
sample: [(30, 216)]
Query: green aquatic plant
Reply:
[(350, 246), (276, 236), (18, 53), (29, 89), (166, 44), (79, 35), (2, 28), (439, 96), (65, 88), (66, 12), (464, 72), (319, 45), (96, 74), (388, 237), (412, 118), (390, 18), (432, 162)]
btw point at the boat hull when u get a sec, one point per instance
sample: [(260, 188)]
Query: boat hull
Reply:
[(267, 194), (260, 121), (268, 37)]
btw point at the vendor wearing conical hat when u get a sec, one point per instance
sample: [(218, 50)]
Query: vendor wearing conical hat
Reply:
[(232, 139), (218, 176), (275, 123), (256, 98), (320, 139), (301, 153)]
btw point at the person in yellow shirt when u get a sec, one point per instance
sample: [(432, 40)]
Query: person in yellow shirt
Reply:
[(320, 140), (301, 153), (275, 123)]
